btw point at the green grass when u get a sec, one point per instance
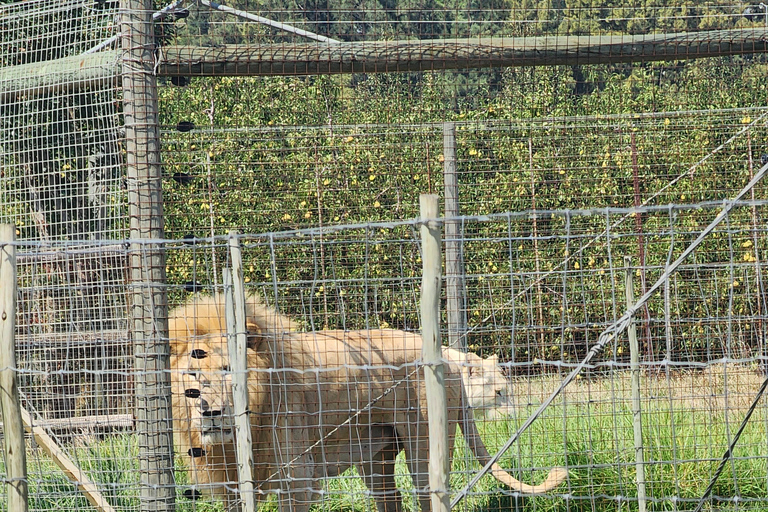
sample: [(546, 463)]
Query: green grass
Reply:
[(594, 440)]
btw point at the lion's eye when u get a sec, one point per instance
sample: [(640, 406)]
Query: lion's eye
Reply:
[(192, 393), (225, 368)]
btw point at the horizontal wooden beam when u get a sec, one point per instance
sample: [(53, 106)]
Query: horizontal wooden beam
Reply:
[(77, 424), (420, 55), (108, 339), (81, 72), (78, 73)]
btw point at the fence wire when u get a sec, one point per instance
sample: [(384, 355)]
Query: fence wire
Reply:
[(702, 353), (563, 171)]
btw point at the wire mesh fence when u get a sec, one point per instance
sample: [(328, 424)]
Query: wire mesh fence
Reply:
[(701, 342), (605, 148)]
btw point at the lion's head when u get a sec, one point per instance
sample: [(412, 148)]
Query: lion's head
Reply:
[(205, 382), (486, 386), (202, 382)]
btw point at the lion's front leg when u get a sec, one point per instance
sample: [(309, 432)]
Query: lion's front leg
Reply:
[(298, 486)]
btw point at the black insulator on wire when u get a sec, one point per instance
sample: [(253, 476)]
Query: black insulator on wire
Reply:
[(193, 287), (196, 452), (764, 159), (180, 81), (185, 126), (192, 494), (183, 178), (180, 14)]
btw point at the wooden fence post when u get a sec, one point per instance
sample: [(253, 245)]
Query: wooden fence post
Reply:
[(13, 428), (146, 259), (237, 340), (432, 355)]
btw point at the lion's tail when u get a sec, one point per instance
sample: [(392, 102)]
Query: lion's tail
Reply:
[(555, 477)]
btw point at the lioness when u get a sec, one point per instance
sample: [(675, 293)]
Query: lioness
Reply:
[(488, 390), (320, 402)]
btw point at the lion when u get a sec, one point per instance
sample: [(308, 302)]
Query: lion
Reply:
[(319, 403), (488, 390)]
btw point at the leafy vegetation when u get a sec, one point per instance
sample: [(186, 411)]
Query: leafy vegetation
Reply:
[(281, 154)]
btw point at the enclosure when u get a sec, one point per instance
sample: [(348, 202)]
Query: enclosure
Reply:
[(600, 174)]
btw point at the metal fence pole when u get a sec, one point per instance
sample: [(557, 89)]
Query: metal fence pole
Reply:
[(13, 428), (149, 307), (432, 355), (637, 420)]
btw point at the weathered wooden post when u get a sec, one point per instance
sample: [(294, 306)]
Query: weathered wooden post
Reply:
[(454, 258), (637, 419), (13, 428), (237, 340), (149, 306), (434, 379)]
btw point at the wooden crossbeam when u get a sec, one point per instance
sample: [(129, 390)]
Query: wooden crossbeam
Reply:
[(18, 83), (421, 55)]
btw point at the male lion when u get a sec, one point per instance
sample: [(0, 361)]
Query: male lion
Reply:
[(488, 390), (319, 403)]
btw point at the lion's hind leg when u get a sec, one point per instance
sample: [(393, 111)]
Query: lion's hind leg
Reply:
[(414, 436), (378, 471)]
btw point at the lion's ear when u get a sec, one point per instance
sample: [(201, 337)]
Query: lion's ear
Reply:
[(494, 359)]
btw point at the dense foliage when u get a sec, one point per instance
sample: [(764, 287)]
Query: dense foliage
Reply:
[(283, 153)]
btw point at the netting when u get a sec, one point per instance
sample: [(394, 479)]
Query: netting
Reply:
[(568, 136)]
